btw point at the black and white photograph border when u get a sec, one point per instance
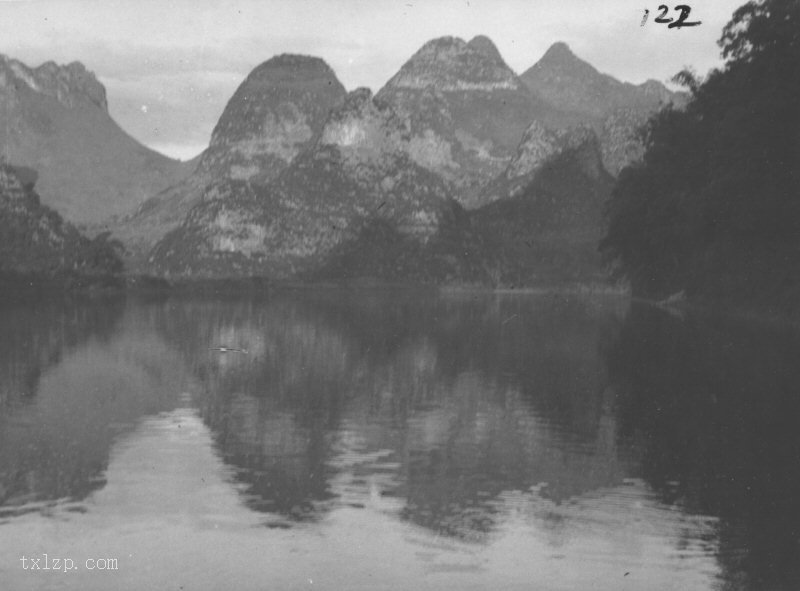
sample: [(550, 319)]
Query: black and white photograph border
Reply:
[(441, 294)]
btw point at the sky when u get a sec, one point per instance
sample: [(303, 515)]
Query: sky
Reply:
[(170, 66)]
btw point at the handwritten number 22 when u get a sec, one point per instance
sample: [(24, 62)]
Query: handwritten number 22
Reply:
[(681, 22)]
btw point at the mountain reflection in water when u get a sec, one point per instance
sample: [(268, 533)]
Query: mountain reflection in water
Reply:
[(371, 440)]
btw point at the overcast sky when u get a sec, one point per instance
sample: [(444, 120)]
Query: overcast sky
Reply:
[(169, 66)]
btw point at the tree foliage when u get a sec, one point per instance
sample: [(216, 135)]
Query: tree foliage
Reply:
[(102, 254), (714, 207)]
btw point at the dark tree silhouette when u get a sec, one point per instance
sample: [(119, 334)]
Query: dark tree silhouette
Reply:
[(714, 207)]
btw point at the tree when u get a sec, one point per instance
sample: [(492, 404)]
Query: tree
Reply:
[(102, 254), (714, 207)]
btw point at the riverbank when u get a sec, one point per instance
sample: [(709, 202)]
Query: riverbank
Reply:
[(14, 285)]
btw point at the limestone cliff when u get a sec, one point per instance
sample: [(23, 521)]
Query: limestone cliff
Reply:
[(467, 110), (277, 111), (357, 174), (539, 146)]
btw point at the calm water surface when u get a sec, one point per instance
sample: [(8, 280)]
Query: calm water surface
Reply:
[(406, 441)]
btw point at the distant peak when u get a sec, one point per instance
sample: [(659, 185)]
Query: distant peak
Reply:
[(560, 58), (285, 99), (446, 42), (559, 52), (64, 83), (290, 66), (450, 63), (484, 45), (295, 59), (480, 45)]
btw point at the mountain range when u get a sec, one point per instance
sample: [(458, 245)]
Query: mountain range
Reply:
[(438, 177)]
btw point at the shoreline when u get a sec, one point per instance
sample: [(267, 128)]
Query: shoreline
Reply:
[(77, 283), (15, 285)]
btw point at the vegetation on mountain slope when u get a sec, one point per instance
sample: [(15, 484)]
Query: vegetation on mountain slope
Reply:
[(37, 241)]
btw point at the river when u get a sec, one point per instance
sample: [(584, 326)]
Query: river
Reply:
[(376, 440)]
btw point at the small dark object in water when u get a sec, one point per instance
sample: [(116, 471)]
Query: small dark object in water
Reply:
[(227, 350)]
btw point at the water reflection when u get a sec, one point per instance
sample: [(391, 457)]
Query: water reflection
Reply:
[(466, 402), (499, 440), (36, 334), (713, 406), (73, 377)]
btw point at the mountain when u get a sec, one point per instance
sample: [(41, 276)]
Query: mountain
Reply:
[(38, 241), (546, 215), (378, 192), (55, 120), (615, 109), (562, 78), (302, 181), (356, 183), (467, 110), (277, 111)]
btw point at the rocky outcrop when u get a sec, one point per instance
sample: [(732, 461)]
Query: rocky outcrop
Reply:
[(546, 215), (622, 137), (55, 119), (539, 146), (37, 240), (69, 85), (277, 112), (466, 109), (450, 64), (358, 174)]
